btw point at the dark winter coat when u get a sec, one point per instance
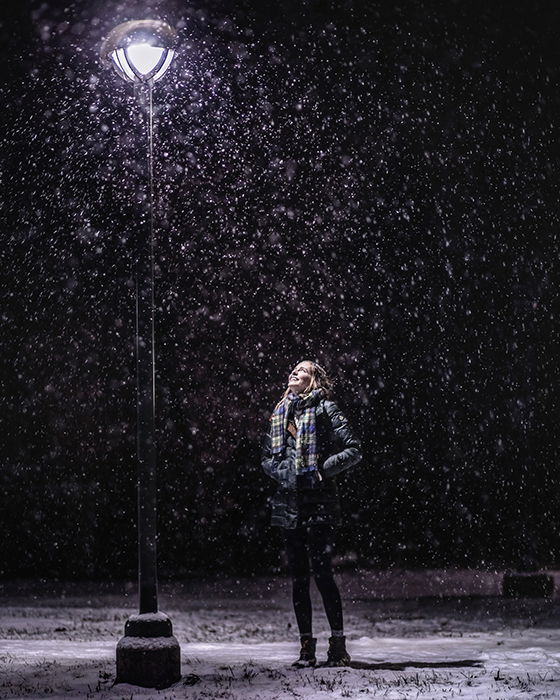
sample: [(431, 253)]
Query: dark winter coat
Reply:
[(303, 500)]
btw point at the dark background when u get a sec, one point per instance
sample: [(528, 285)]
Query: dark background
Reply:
[(372, 185)]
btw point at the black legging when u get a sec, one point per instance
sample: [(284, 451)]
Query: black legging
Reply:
[(315, 542)]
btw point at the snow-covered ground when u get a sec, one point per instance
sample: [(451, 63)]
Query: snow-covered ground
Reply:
[(459, 639)]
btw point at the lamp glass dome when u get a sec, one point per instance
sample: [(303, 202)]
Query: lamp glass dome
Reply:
[(141, 51)]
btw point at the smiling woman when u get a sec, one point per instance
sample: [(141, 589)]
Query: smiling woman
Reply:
[(300, 377), (308, 444)]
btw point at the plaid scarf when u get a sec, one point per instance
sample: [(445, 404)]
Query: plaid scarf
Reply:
[(306, 438)]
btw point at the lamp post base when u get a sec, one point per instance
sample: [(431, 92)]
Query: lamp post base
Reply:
[(148, 655)]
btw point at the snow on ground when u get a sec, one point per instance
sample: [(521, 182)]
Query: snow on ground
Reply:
[(238, 639)]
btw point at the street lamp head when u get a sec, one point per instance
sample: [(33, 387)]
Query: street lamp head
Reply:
[(140, 51)]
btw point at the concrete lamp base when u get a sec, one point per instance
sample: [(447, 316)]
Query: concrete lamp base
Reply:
[(527, 585), (148, 655)]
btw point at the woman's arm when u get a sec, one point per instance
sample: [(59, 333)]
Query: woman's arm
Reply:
[(281, 470), (351, 453)]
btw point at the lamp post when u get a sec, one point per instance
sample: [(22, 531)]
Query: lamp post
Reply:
[(148, 655)]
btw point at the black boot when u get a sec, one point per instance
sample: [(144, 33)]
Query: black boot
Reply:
[(337, 654), (307, 656)]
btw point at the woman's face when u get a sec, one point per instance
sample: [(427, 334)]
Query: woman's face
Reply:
[(300, 377)]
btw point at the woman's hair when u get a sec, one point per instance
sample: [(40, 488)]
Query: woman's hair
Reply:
[(319, 380)]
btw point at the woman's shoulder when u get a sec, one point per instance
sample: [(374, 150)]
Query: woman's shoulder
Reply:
[(334, 412), (330, 406)]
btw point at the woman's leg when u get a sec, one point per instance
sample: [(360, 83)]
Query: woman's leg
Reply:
[(298, 560), (321, 546)]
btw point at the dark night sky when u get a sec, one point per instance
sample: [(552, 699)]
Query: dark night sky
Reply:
[(370, 184)]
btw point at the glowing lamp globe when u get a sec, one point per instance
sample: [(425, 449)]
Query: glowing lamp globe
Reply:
[(140, 51)]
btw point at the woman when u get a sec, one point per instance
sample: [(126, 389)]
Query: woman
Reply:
[(308, 444)]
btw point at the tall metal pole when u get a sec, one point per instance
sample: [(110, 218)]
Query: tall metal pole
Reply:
[(148, 655), (145, 388)]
